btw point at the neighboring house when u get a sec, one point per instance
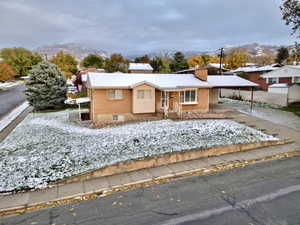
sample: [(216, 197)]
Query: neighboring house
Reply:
[(254, 74), (81, 77), (213, 69), (284, 75), (121, 97), (140, 68)]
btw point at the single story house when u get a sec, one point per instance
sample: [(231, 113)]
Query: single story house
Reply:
[(140, 68), (254, 74), (120, 97), (284, 75)]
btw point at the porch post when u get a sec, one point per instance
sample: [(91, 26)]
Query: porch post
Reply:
[(166, 102), (79, 112), (251, 106)]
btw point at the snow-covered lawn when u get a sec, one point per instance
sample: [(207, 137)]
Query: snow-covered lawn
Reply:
[(47, 147)]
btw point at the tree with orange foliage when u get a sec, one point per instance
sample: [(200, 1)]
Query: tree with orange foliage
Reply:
[(6, 72)]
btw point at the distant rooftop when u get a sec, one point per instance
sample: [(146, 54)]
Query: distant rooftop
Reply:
[(140, 66), (250, 69)]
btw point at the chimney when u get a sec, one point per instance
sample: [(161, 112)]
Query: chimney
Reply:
[(201, 73)]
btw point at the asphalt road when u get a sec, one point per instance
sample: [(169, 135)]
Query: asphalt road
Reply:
[(11, 98), (260, 194)]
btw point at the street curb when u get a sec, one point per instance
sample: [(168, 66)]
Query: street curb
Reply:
[(12, 115), (107, 191)]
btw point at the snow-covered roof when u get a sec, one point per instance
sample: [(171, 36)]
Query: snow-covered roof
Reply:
[(216, 65), (82, 100), (127, 80), (140, 66), (230, 81), (163, 81), (210, 65), (84, 78), (250, 69), (278, 85), (286, 71)]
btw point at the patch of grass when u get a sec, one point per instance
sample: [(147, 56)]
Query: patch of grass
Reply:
[(294, 107)]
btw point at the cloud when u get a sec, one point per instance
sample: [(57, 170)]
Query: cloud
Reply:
[(142, 26)]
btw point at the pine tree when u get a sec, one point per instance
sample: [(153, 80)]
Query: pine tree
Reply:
[(47, 87)]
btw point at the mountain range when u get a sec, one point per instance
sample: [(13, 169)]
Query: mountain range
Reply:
[(82, 50)]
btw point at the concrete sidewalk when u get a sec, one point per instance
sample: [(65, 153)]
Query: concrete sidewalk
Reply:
[(22, 202)]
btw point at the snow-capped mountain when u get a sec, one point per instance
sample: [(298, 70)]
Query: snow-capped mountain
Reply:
[(76, 49)]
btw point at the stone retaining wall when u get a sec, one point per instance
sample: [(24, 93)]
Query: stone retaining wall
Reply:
[(165, 159)]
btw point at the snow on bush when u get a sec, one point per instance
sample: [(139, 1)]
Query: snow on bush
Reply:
[(47, 147)]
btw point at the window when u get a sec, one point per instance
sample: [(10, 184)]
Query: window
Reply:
[(296, 79), (118, 118), (144, 94), (188, 97), (164, 99), (114, 94), (272, 80)]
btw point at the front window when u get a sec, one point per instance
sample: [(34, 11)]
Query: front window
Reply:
[(188, 97), (115, 94), (164, 99)]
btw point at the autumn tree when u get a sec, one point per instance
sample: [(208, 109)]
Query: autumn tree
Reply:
[(6, 72), (159, 65), (66, 62), (179, 62), (116, 57), (282, 55), (94, 61), (290, 10), (142, 59), (20, 59), (199, 60), (236, 58), (115, 63)]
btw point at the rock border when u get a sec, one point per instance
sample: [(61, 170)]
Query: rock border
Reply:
[(165, 159)]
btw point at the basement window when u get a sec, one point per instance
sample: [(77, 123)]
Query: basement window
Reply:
[(188, 96), (118, 118)]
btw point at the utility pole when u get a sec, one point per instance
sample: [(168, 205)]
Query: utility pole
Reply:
[(221, 61), (46, 57)]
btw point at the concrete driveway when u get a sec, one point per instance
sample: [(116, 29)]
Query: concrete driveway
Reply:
[(276, 116), (11, 98)]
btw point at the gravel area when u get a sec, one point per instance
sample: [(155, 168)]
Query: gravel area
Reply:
[(47, 147)]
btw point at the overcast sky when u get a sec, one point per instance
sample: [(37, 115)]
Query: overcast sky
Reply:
[(137, 26)]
